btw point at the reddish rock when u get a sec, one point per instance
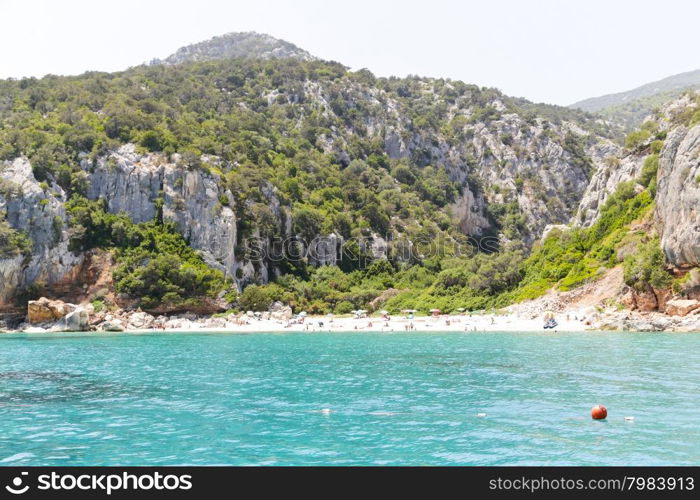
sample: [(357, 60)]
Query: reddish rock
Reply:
[(646, 301), (42, 310), (662, 298)]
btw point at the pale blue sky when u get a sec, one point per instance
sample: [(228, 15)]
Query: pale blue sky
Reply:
[(550, 51)]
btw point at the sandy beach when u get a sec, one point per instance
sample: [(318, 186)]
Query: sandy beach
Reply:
[(476, 323)]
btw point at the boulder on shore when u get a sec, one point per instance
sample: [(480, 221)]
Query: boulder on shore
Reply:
[(681, 307), (141, 320), (114, 325), (280, 311), (43, 310), (76, 321)]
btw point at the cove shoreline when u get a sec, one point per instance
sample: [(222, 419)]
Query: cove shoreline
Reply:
[(484, 323)]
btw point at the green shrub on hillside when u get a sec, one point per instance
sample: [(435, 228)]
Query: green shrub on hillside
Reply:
[(570, 258), (647, 267), (154, 262), (649, 169), (636, 138), (13, 242)]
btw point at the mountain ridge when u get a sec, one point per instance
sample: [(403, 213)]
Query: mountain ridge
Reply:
[(679, 82), (249, 44)]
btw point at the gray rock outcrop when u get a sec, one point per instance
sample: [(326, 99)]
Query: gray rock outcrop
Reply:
[(612, 168), (76, 321), (678, 197), (113, 325), (38, 211), (194, 199)]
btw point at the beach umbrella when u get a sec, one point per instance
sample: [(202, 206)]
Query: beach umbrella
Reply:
[(303, 314), (435, 310), (330, 315), (249, 314), (383, 312), (461, 309)]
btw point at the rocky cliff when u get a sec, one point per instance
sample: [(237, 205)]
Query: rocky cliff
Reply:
[(38, 211), (613, 166), (678, 197), (499, 153), (130, 183), (678, 190)]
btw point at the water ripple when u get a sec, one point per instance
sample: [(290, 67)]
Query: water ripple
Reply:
[(358, 398)]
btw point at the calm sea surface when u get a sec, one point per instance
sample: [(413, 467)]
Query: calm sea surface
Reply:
[(402, 398)]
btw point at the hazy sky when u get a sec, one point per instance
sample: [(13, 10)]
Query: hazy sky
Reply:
[(550, 51)]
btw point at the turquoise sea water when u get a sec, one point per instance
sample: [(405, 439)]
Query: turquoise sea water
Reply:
[(402, 398)]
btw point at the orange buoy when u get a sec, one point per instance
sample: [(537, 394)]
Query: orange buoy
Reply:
[(599, 412)]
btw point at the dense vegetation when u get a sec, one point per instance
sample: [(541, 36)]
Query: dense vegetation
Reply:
[(322, 162), (255, 117), (565, 259), (154, 263), (13, 242), (569, 258), (632, 114)]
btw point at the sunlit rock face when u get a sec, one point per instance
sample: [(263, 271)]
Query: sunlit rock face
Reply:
[(678, 197)]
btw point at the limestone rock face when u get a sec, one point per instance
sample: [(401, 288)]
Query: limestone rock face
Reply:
[(469, 211), (193, 198), (40, 214), (10, 277), (325, 250), (43, 310), (678, 197), (612, 168), (681, 307), (131, 183)]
